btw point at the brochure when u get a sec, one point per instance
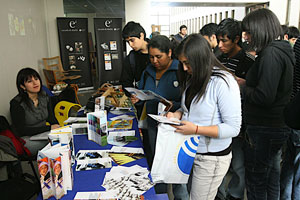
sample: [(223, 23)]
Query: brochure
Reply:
[(75, 120), (163, 119), (97, 127), (41, 136), (56, 174), (127, 182), (145, 95), (91, 154), (119, 124), (95, 196), (83, 165), (121, 137), (124, 158), (79, 129)]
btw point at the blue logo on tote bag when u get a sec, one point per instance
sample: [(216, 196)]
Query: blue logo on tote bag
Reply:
[(187, 154)]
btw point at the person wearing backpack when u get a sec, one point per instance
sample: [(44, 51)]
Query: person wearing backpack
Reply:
[(138, 58), (31, 109)]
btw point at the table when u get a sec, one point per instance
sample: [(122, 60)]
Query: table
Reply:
[(92, 180)]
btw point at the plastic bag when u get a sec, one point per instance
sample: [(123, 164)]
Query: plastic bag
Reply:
[(174, 155)]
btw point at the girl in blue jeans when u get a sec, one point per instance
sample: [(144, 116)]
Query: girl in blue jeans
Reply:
[(266, 92)]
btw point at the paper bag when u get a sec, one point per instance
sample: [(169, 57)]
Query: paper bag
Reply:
[(174, 155)]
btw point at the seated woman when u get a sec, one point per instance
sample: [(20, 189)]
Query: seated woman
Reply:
[(211, 108), (160, 77), (31, 109)]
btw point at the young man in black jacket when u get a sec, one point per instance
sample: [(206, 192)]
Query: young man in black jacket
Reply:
[(138, 58)]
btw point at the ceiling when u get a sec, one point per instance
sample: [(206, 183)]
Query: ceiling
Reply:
[(116, 8), (107, 8)]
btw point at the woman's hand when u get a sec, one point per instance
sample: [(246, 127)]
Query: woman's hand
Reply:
[(55, 126), (134, 99), (176, 114), (187, 128)]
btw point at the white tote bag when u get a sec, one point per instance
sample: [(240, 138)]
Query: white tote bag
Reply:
[(174, 155)]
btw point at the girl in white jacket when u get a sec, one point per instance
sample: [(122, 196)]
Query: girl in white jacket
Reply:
[(211, 108)]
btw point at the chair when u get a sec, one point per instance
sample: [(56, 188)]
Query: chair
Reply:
[(64, 109), (48, 91), (54, 63), (51, 78), (17, 185)]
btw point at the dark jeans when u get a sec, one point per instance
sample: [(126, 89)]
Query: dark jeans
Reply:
[(290, 173), (262, 161)]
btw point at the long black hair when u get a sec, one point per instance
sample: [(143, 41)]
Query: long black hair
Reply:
[(202, 61), (263, 26), (24, 75)]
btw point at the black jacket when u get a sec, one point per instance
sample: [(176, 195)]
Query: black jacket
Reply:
[(133, 66), (269, 85), (292, 113), (28, 121)]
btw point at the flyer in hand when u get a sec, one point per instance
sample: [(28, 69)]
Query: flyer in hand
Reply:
[(163, 119), (145, 95)]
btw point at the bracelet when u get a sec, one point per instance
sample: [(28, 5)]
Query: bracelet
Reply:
[(196, 129)]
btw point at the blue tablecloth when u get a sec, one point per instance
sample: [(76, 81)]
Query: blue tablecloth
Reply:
[(92, 180)]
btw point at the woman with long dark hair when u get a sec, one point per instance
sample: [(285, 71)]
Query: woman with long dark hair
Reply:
[(266, 92), (160, 77), (211, 108), (31, 109)]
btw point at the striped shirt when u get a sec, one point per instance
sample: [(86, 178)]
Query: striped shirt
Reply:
[(296, 78), (238, 64)]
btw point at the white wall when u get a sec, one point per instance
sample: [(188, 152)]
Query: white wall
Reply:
[(53, 9), (294, 15), (183, 15), (279, 7), (139, 11), (23, 41)]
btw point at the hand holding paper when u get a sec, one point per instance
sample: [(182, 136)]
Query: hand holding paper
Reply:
[(186, 128)]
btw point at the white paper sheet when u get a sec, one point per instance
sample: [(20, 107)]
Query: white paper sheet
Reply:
[(165, 120)]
